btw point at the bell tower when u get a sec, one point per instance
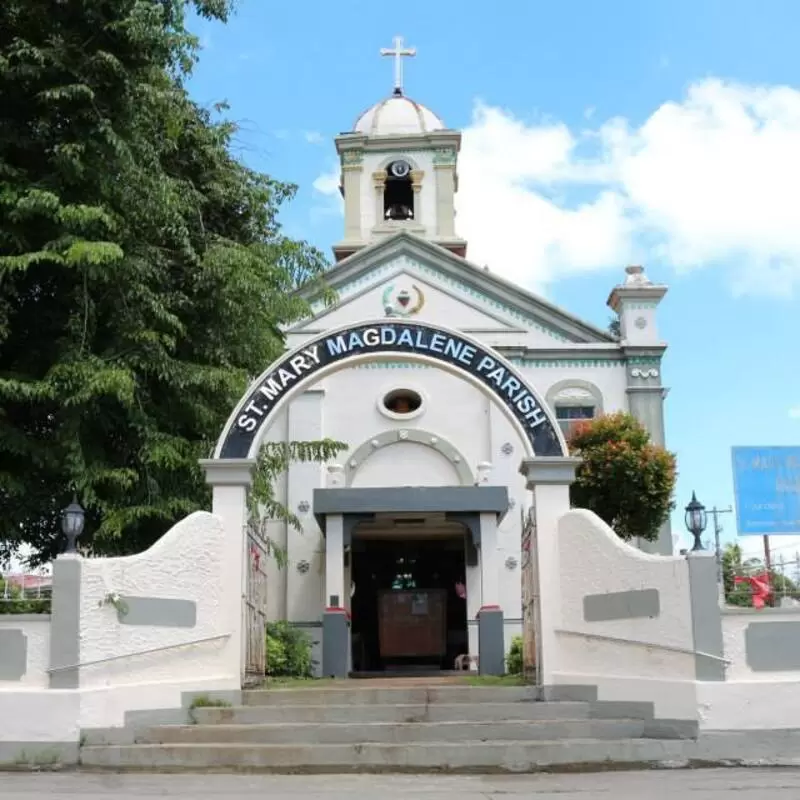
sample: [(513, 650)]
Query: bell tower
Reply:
[(398, 171)]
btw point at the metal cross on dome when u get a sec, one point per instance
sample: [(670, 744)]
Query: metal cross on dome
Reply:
[(398, 52)]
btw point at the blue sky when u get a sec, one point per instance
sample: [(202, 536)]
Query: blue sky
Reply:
[(665, 133)]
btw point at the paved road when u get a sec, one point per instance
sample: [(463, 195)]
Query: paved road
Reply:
[(777, 784)]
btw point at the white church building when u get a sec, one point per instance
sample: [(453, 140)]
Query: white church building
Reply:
[(440, 376)]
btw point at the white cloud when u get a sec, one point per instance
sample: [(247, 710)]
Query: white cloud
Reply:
[(328, 182), (794, 413), (313, 137), (326, 188), (711, 180)]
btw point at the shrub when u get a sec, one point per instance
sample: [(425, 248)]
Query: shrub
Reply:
[(514, 657), (17, 603), (288, 651), (623, 477)]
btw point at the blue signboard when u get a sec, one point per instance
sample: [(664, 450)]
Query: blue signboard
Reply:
[(766, 481)]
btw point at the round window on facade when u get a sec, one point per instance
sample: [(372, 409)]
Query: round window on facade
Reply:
[(402, 402)]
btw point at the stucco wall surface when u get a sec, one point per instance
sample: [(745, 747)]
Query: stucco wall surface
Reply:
[(765, 654), (749, 705), (29, 637), (159, 660), (37, 715), (594, 561)]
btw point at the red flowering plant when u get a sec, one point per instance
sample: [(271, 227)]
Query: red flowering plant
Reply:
[(623, 477)]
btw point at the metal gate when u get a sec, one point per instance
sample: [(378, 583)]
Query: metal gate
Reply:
[(530, 598), (255, 610)]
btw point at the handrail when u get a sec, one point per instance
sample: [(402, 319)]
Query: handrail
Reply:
[(140, 653), (669, 647)]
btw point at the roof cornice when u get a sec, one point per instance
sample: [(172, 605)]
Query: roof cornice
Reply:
[(472, 276), (406, 141)]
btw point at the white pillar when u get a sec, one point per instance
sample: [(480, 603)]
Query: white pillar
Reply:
[(445, 198), (416, 186), (549, 479), (379, 183), (230, 480), (491, 635), (303, 590), (351, 184), (334, 562), (489, 559)]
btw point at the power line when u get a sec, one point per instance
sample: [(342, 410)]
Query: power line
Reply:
[(716, 513)]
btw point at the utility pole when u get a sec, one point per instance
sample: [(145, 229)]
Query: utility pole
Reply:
[(716, 513)]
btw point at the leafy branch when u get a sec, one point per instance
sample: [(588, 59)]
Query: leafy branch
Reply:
[(263, 507)]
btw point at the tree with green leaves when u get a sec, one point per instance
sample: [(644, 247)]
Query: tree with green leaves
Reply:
[(144, 277), (623, 477)]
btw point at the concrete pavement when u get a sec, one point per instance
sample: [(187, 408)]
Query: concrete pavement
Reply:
[(753, 784)]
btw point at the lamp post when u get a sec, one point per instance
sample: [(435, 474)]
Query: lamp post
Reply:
[(696, 521), (72, 519)]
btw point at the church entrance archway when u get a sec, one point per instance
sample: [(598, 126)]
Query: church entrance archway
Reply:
[(384, 339), (230, 474)]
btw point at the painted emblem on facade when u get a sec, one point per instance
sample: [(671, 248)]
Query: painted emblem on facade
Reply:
[(402, 303)]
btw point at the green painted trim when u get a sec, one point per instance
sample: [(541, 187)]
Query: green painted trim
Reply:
[(643, 305), (562, 361), (351, 157), (370, 276), (444, 156), (566, 361), (393, 151), (392, 365), (644, 361)]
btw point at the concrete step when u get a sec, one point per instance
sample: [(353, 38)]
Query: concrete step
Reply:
[(393, 733), (361, 714), (467, 756), (357, 693)]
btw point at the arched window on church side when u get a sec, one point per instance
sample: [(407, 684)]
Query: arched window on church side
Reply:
[(574, 405), (398, 193)]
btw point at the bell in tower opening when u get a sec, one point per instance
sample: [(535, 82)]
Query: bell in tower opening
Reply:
[(398, 194)]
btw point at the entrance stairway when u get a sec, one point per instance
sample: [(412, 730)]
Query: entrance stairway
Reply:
[(392, 726)]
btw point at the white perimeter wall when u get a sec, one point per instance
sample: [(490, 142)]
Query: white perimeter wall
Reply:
[(30, 713), (593, 560), (128, 667), (187, 563), (750, 699)]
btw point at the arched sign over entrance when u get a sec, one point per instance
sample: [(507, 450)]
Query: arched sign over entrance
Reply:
[(384, 338)]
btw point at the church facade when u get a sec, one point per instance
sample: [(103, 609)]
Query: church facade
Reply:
[(447, 375)]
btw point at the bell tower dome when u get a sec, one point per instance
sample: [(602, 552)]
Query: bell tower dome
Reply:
[(398, 171)]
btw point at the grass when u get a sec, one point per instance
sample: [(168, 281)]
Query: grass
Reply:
[(299, 683), (204, 701), (494, 680)]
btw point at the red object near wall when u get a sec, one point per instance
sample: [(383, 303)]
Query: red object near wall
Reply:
[(760, 588)]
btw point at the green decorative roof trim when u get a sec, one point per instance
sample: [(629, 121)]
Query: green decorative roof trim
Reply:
[(352, 157), (393, 151), (643, 305), (567, 361), (445, 156), (371, 275), (644, 361), (392, 365), (562, 361), (469, 291)]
